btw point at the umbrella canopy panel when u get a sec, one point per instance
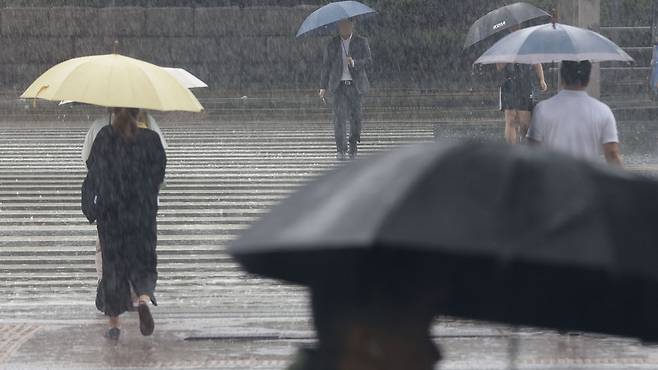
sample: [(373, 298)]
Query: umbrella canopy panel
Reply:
[(553, 43), (503, 233), (113, 81), (186, 78), (323, 21), (502, 19)]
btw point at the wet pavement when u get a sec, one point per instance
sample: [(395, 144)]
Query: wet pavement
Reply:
[(221, 177)]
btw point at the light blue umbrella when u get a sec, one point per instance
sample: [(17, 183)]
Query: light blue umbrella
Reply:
[(323, 20), (553, 42)]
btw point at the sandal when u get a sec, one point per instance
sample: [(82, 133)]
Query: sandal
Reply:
[(146, 324)]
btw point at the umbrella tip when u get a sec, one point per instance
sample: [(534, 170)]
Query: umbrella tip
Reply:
[(115, 47), (554, 17)]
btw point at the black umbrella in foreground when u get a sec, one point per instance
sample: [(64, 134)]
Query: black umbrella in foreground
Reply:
[(502, 19), (501, 233)]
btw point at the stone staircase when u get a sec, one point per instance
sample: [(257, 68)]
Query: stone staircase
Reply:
[(220, 178), (629, 24), (620, 79)]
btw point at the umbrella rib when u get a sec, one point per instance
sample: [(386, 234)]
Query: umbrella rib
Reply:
[(56, 93), (402, 196)]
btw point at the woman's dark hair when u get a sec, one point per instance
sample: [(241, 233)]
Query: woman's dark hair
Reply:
[(125, 122), (576, 73)]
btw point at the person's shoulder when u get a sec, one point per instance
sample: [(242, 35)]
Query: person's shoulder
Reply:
[(602, 109), (148, 135), (96, 127), (99, 123), (103, 131), (601, 106), (553, 100), (539, 109), (547, 109), (104, 136), (146, 132)]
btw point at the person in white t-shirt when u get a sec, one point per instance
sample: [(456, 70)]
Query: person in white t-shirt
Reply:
[(575, 123)]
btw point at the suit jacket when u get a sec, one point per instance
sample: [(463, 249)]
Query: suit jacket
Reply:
[(332, 64)]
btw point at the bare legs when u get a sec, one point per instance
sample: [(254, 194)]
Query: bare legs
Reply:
[(517, 123)]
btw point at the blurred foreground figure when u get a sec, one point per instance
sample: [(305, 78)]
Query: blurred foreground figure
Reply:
[(573, 122), (525, 237), (379, 322), (125, 169)]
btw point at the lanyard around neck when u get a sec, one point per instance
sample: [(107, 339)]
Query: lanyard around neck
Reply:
[(342, 44)]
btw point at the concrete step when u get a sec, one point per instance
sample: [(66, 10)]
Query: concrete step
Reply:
[(625, 74), (628, 36), (307, 100), (641, 54), (626, 13), (639, 87), (221, 177)]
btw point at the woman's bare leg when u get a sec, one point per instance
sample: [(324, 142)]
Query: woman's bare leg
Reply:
[(510, 126), (114, 321), (524, 117)]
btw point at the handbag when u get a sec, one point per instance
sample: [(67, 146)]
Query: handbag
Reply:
[(89, 200)]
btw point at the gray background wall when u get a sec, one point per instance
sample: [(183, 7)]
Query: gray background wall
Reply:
[(229, 47), (247, 45)]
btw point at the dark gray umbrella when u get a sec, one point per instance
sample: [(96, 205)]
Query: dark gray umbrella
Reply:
[(500, 233), (502, 19)]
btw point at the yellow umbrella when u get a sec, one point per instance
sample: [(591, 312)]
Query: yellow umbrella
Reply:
[(113, 80)]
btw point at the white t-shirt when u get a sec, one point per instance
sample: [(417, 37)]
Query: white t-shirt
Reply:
[(574, 123)]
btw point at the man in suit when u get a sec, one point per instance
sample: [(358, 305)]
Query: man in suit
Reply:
[(344, 77)]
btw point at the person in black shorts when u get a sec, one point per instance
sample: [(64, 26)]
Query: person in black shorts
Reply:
[(517, 97)]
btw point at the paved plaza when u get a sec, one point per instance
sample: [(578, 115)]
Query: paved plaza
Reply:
[(220, 177)]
